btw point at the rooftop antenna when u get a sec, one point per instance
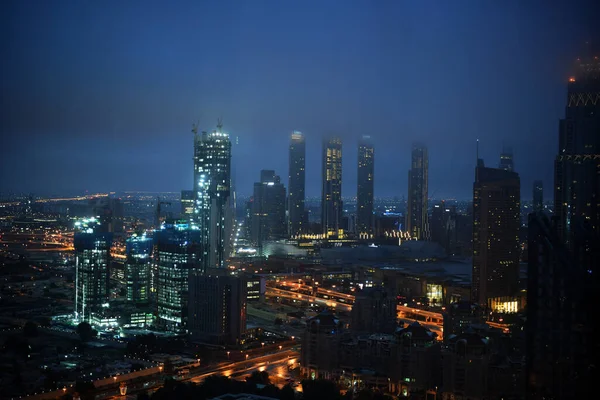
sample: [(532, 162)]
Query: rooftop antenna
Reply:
[(195, 128), (477, 151), (219, 124)]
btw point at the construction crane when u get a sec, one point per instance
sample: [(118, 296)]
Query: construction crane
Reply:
[(158, 207)]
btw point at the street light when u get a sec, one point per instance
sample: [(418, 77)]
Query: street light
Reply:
[(246, 356), (228, 354)]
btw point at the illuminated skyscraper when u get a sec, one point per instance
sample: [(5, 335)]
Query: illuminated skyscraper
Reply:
[(365, 183), (506, 159), (297, 184), (179, 251), (538, 196), (416, 211), (496, 225), (268, 213), (138, 267), (331, 195), (212, 187), (92, 259)]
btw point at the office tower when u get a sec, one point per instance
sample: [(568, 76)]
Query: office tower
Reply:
[(187, 204), (439, 224), (374, 311), (109, 213), (268, 213), (319, 352), (137, 268), (331, 194), (561, 289), (365, 183), (416, 210), (217, 307), (179, 250), (577, 187), (212, 187), (506, 159), (496, 225), (296, 184), (538, 196), (563, 255), (459, 316), (92, 259)]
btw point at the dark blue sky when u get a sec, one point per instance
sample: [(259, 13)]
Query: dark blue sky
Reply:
[(101, 96)]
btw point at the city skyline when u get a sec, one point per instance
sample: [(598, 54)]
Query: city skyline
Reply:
[(136, 112)]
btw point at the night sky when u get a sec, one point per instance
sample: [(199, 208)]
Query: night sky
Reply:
[(100, 96)]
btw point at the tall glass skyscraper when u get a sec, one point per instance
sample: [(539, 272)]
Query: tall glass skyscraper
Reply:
[(297, 184), (331, 195), (416, 210), (137, 268), (365, 183), (212, 188), (92, 259), (179, 251)]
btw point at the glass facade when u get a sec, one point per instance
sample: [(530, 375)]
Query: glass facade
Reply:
[(137, 268), (297, 184), (92, 260), (212, 187), (331, 195)]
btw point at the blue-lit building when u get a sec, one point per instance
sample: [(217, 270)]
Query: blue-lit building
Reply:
[(178, 250), (212, 189), (138, 267), (92, 260)]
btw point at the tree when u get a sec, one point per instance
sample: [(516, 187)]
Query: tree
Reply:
[(259, 378), (30, 329), (278, 321), (287, 393), (85, 331), (143, 396), (320, 389)]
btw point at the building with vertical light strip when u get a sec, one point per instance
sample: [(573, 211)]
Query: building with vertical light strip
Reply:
[(212, 188), (331, 194), (296, 184), (365, 187), (418, 177), (92, 245)]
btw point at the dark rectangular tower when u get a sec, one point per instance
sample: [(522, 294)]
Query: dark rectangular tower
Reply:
[(577, 165), (297, 183), (331, 195), (496, 225), (365, 183), (268, 209), (538, 196), (416, 210)]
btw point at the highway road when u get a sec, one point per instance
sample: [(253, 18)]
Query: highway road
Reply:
[(344, 302), (277, 361)]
